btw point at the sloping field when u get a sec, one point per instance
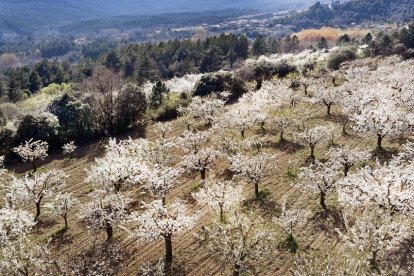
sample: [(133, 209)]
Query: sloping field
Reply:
[(189, 257)]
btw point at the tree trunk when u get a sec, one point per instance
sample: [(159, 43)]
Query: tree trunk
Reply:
[(109, 231), (346, 170), (65, 217), (37, 211), (203, 174), (306, 89), (117, 187), (259, 83), (322, 200), (209, 124), (221, 214), (312, 152), (379, 142), (168, 255), (344, 128), (256, 190), (242, 133), (34, 166), (236, 271), (328, 111), (374, 262), (281, 137)]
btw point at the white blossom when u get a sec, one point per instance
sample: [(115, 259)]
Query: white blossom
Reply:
[(160, 221), (241, 118), (62, 204), (226, 142), (346, 157), (14, 224), (160, 152), (122, 165), (192, 141), (375, 233), (253, 168), (34, 188), (32, 151), (390, 186), (160, 180), (69, 148), (312, 137), (105, 211), (186, 84), (201, 161), (328, 95), (280, 125), (163, 128), (24, 257), (321, 178), (220, 195), (206, 109), (381, 118), (291, 218), (240, 243)]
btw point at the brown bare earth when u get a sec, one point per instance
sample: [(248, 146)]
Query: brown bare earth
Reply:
[(189, 257)]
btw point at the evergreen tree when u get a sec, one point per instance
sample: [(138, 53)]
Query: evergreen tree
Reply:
[(113, 61), (242, 47), (147, 70), (157, 94), (343, 39), (367, 38), (211, 61), (2, 89), (35, 82), (14, 93), (259, 46), (232, 56), (323, 43)]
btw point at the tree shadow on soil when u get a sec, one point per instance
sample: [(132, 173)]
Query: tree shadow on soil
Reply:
[(384, 155), (401, 259), (286, 146), (327, 220), (265, 206)]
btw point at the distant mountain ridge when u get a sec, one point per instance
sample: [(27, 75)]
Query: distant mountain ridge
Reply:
[(354, 11), (148, 21), (31, 15)]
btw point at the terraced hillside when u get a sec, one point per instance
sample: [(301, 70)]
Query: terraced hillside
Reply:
[(249, 128)]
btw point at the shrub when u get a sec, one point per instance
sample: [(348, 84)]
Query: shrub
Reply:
[(219, 82), (42, 127), (131, 106), (283, 69), (341, 55), (212, 83), (76, 119), (6, 142), (169, 110), (237, 89)]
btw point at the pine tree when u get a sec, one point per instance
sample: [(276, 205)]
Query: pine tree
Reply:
[(35, 82), (323, 43), (157, 94)]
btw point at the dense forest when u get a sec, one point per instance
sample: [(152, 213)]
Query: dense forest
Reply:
[(26, 16), (349, 12)]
